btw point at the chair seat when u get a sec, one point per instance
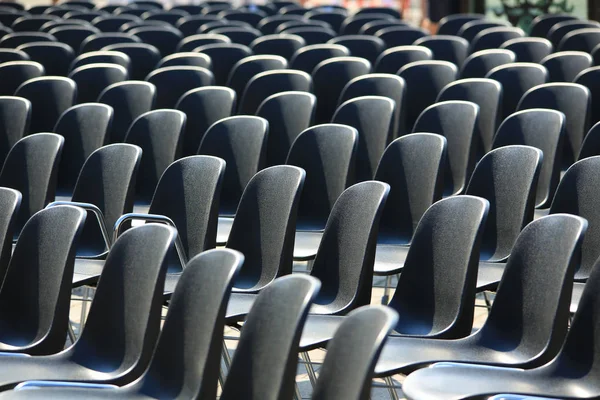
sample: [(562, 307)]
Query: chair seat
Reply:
[(223, 230), (170, 283), (306, 245), (576, 296), (389, 259), (87, 271), (318, 330), (238, 307), (489, 275)]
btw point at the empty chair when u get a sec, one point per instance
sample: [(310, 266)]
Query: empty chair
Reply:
[(112, 23), (203, 107), (386, 85), (589, 79), (573, 100), (267, 83), (308, 57), (564, 66), (400, 35), (85, 128), (542, 24), (487, 94), (451, 24), (31, 167), (171, 17), (529, 49), (392, 60), (82, 16), (479, 64), (453, 49), (48, 26), (352, 24), (380, 10), (15, 116), (330, 77), (188, 59), (471, 29), (143, 57), (585, 40), (14, 40), (172, 82), (50, 97), (191, 9), (247, 68), (493, 38), (13, 55), (364, 46), (165, 39), (191, 42), (31, 23), (313, 35), (97, 41), (55, 57), (269, 25), (8, 17), (239, 35), (224, 56), (101, 56), (190, 24), (129, 100), (251, 17), (284, 45), (335, 18), (424, 81), (92, 79), (288, 113), (73, 35), (301, 23), (374, 26), (559, 30), (516, 79), (159, 135)]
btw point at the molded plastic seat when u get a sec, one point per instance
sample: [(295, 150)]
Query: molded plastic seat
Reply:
[(268, 83), (516, 79), (313, 35), (589, 78), (392, 60), (251, 17), (493, 38), (13, 55), (335, 18), (308, 57), (172, 82), (282, 44), (97, 41), (542, 24), (203, 107), (529, 49), (240, 35), (247, 68), (190, 24), (8, 17), (288, 114), (143, 57), (472, 28), (352, 24), (451, 24), (73, 35), (269, 24), (393, 12), (15, 116), (159, 134), (171, 17), (112, 23), (224, 56), (208, 27), (48, 26), (374, 26), (479, 64), (364, 46), (564, 66), (165, 39), (301, 23), (55, 57), (446, 48), (101, 57), (191, 42), (14, 40), (92, 79), (31, 23), (400, 35), (330, 77), (15, 73), (585, 40), (188, 59), (559, 30)]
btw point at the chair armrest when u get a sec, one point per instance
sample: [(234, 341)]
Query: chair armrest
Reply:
[(58, 384), (94, 210)]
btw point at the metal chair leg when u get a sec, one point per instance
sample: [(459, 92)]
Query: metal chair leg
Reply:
[(71, 333), (312, 377), (391, 388), (297, 395), (386, 290)]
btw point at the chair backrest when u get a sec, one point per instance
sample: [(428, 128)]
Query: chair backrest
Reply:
[(393, 59), (530, 313), (268, 83), (224, 56), (424, 82), (251, 17), (516, 79), (54, 56), (479, 64), (85, 128), (190, 24), (269, 24), (189, 43), (335, 18), (559, 30), (472, 28), (188, 193), (129, 100), (281, 44), (589, 78), (240, 35), (186, 59), (143, 57), (576, 194), (327, 153), (591, 143), (159, 134), (172, 82), (10, 203), (400, 35), (451, 24), (529, 49), (371, 27), (457, 121), (164, 38), (15, 115), (580, 40), (364, 46), (31, 167), (92, 79), (308, 57), (564, 66), (288, 113), (101, 56), (36, 292), (264, 227), (347, 371), (344, 261), (14, 40), (124, 318), (112, 23), (453, 49), (13, 55), (73, 35), (99, 40), (15, 73), (247, 68), (187, 356), (275, 323), (31, 23), (493, 38), (413, 166), (313, 35), (436, 290), (541, 25), (573, 100)]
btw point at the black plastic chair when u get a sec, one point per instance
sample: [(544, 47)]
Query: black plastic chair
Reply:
[(364, 46), (529, 49), (239, 35), (48, 26), (171, 17), (7, 55), (573, 100), (479, 64), (588, 78), (92, 79), (288, 113), (129, 100), (493, 38), (371, 27), (472, 28), (73, 35), (516, 79), (451, 24), (393, 12), (165, 39), (301, 23), (330, 77), (585, 40), (143, 57), (31, 23), (112, 23), (14, 40), (559, 30), (97, 41), (8, 17), (268, 83), (190, 24), (400, 35), (185, 59), (392, 60), (79, 17), (15, 116), (101, 57), (49, 97), (283, 44), (335, 18), (352, 24), (424, 82), (247, 68), (543, 259), (453, 49), (55, 57), (191, 42), (224, 56), (251, 17), (31, 167), (313, 35), (542, 24), (159, 134), (15, 73), (269, 24), (172, 82), (543, 129), (308, 57), (566, 65), (203, 107)]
